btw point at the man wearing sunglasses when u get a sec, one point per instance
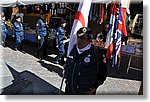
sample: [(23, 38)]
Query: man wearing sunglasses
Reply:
[(85, 68)]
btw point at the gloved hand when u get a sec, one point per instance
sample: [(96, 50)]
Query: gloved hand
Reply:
[(39, 38), (65, 38), (57, 46)]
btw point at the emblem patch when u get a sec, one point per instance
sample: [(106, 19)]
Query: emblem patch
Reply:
[(86, 59)]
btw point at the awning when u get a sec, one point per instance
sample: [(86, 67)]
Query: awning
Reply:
[(12, 3)]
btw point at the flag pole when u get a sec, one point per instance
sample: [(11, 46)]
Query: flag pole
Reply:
[(61, 85), (81, 19)]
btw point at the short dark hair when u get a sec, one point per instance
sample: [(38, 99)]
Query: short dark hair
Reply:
[(63, 21), (18, 17)]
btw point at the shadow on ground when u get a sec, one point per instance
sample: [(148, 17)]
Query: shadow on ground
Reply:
[(123, 72), (52, 68), (27, 83)]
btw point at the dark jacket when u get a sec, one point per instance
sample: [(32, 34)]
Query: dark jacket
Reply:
[(81, 70)]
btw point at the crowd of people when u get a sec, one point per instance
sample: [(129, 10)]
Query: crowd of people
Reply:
[(86, 66), (85, 69)]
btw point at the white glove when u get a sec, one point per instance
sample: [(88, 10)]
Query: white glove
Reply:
[(39, 37)]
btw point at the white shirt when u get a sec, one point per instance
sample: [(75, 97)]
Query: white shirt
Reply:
[(84, 49)]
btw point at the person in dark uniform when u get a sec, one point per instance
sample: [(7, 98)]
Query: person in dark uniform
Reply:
[(59, 43), (42, 29), (85, 69), (19, 33), (4, 31)]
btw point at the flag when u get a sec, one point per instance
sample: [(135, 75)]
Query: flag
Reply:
[(109, 38), (91, 12), (124, 6), (102, 14), (124, 29), (81, 20), (118, 35), (117, 27)]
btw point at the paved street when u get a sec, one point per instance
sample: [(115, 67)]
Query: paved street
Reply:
[(25, 74)]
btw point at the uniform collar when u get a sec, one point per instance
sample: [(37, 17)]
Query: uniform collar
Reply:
[(84, 49)]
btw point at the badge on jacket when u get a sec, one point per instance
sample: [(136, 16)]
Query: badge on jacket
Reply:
[(86, 59)]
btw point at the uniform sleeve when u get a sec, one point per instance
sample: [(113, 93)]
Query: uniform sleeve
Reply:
[(4, 27), (57, 36), (37, 27), (16, 28), (22, 27), (102, 72)]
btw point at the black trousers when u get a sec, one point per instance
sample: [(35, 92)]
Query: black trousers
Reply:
[(43, 47), (19, 46), (6, 40)]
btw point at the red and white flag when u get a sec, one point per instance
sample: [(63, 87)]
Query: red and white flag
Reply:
[(124, 6), (109, 38), (124, 29), (117, 35), (120, 29), (81, 20), (102, 14)]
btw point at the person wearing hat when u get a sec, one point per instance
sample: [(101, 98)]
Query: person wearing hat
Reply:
[(42, 29), (4, 31), (59, 59), (85, 69), (19, 33)]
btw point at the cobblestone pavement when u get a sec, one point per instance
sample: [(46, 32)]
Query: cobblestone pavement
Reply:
[(32, 76)]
